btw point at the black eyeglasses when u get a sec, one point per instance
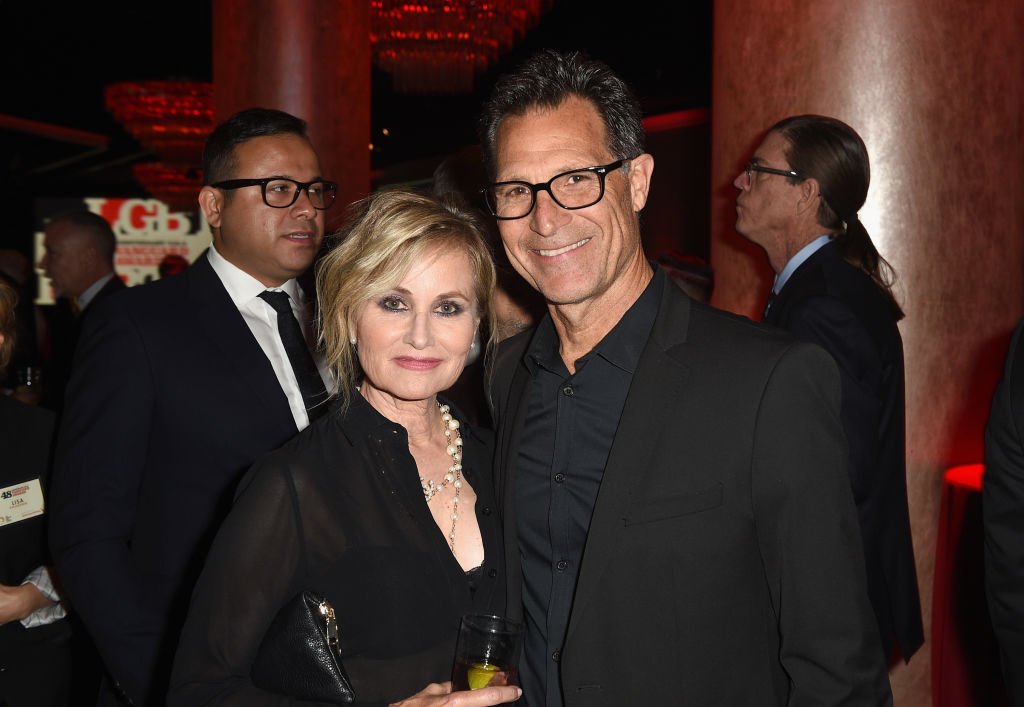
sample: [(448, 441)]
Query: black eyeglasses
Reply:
[(575, 189), (281, 192), (755, 167)]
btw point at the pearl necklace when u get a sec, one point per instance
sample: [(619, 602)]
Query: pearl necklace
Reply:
[(454, 475)]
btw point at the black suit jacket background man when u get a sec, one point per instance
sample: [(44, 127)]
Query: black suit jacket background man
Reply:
[(172, 398), (79, 249), (64, 326), (1003, 512), (832, 303)]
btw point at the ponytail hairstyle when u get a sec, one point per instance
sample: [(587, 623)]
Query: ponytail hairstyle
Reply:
[(831, 152)]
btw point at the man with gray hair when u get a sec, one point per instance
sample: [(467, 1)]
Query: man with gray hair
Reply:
[(798, 199), (79, 257), (679, 527)]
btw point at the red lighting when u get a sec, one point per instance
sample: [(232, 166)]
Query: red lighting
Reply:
[(968, 476), (438, 46), (178, 187), (170, 119)]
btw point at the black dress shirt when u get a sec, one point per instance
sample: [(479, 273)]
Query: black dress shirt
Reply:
[(569, 428)]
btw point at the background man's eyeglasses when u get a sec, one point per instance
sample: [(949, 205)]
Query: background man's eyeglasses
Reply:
[(755, 167), (575, 189), (280, 192)]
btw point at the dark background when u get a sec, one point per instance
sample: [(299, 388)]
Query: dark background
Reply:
[(58, 59)]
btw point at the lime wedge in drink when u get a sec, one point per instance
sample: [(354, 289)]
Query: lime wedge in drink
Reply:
[(480, 675)]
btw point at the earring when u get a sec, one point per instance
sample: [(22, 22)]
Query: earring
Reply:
[(474, 349), (352, 340)]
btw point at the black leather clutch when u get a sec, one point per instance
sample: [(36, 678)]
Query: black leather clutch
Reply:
[(299, 655)]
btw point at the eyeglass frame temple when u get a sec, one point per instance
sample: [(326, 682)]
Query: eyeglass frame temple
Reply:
[(755, 167)]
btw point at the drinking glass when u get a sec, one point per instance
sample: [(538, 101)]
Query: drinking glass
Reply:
[(487, 652)]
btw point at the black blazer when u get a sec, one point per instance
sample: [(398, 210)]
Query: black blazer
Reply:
[(171, 399), (114, 284), (834, 304), (722, 564), (64, 329), (1003, 512)]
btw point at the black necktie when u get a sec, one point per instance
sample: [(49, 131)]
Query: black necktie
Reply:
[(314, 393), (768, 304)]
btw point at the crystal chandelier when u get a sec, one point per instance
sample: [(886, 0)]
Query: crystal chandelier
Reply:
[(438, 46), (171, 119)]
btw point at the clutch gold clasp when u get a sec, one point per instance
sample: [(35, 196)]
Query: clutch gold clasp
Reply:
[(327, 611)]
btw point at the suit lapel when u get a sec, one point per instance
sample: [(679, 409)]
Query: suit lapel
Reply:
[(798, 283), (226, 331), (513, 413), (114, 284), (660, 380)]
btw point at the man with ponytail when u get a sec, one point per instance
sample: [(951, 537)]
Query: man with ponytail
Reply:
[(799, 198)]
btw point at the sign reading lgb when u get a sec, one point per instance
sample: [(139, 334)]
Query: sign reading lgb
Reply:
[(147, 232)]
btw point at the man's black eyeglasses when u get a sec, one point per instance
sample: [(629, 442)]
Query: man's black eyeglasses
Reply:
[(281, 192), (575, 189), (755, 167)]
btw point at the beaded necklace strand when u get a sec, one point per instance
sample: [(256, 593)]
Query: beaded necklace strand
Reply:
[(453, 477)]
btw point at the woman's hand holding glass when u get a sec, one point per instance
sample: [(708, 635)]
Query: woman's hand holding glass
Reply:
[(441, 695)]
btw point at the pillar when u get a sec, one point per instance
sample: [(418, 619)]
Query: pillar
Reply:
[(311, 59), (936, 89)]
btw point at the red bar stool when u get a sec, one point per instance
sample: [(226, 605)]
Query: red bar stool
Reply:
[(965, 657)]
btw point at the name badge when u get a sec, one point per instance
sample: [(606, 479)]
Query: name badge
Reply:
[(21, 501)]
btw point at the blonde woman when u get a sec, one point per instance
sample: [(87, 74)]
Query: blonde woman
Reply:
[(384, 505)]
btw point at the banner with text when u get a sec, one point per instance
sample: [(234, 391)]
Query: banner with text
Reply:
[(147, 234)]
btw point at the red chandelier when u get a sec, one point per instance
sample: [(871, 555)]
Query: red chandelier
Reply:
[(439, 46), (170, 119)]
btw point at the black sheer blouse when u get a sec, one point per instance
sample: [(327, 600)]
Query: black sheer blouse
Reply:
[(339, 510)]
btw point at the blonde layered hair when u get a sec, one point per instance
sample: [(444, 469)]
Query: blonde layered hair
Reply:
[(388, 233)]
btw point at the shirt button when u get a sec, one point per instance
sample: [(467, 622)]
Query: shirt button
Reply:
[(486, 511), (568, 391), (559, 478), (556, 656), (562, 564), (492, 573)]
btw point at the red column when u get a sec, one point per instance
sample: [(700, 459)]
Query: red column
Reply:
[(311, 59), (935, 88)]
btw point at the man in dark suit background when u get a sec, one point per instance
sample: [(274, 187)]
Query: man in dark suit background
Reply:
[(1003, 513), (799, 198), (78, 257), (679, 525), (178, 386)]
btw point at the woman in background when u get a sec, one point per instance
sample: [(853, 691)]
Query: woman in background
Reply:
[(35, 658)]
